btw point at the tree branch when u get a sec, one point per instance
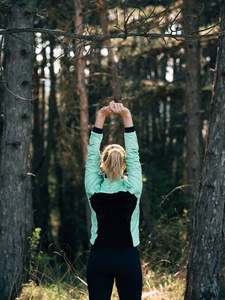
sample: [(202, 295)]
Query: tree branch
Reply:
[(100, 38)]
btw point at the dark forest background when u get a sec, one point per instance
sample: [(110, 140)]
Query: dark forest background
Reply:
[(152, 78), (151, 74)]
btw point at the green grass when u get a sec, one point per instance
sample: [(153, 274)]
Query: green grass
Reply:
[(52, 291), (52, 276), (156, 285)]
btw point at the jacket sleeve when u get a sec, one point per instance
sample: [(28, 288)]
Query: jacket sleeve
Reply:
[(92, 168), (134, 180)]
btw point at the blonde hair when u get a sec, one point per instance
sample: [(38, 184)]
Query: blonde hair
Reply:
[(113, 159)]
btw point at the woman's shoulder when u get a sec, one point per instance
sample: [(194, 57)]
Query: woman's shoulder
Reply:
[(134, 187), (126, 181)]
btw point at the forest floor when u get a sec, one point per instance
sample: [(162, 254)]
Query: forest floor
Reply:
[(54, 277), (156, 286)]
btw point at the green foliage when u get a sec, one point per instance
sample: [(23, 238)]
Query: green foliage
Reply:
[(34, 248), (159, 183), (53, 275), (52, 291), (174, 238), (69, 283), (39, 261), (161, 284), (168, 249)]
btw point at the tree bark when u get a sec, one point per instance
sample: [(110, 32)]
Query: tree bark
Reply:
[(203, 270), (1, 120), (15, 191), (192, 103), (83, 98)]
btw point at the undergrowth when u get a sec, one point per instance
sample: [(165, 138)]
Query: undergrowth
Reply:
[(52, 276), (156, 285)]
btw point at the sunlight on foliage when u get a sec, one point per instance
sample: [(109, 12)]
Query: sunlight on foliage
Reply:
[(156, 286), (163, 285), (53, 276)]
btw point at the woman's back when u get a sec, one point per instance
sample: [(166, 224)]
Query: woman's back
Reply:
[(114, 202), (114, 199)]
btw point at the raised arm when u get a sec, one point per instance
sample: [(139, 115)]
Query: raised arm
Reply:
[(132, 150), (92, 168)]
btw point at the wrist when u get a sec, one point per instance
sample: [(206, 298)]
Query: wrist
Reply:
[(127, 115), (103, 112), (101, 115), (127, 118), (100, 120)]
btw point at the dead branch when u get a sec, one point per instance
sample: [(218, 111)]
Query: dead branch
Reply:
[(166, 197), (100, 38)]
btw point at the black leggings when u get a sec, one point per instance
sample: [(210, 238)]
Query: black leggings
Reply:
[(107, 264)]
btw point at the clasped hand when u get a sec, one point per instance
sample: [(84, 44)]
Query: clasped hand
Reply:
[(113, 107)]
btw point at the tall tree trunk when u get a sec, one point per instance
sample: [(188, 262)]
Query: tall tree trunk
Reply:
[(203, 271), (113, 68), (41, 193), (83, 99), (1, 119), (15, 200), (192, 100)]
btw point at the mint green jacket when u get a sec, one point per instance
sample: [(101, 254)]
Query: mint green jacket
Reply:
[(98, 183)]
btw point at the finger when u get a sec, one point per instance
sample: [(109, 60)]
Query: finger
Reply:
[(118, 107), (121, 106), (111, 105), (109, 109), (114, 108)]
